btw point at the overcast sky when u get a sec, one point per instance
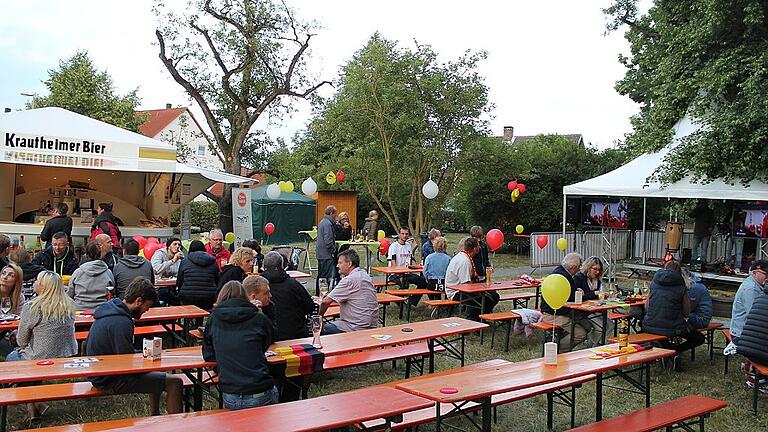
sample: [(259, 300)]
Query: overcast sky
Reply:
[(550, 68)]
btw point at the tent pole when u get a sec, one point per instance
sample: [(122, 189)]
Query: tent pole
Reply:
[(565, 208), (643, 235)]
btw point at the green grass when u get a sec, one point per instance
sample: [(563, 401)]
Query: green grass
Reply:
[(701, 377)]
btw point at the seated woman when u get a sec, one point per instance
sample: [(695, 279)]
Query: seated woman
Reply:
[(23, 259), (258, 259), (198, 279), (236, 337), (240, 264), (589, 281), (92, 283), (436, 264), (11, 278), (47, 327), (668, 307)]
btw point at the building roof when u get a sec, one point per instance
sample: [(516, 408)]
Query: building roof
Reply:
[(575, 138)]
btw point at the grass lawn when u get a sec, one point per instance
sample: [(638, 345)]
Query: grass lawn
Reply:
[(701, 377)]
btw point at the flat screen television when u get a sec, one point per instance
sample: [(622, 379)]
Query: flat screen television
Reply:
[(750, 221), (607, 212)]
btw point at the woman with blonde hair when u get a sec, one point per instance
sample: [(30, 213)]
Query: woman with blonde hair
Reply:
[(589, 281), (47, 327), (240, 264), (11, 279)]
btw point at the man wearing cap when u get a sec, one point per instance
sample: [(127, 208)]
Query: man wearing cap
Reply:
[(748, 291)]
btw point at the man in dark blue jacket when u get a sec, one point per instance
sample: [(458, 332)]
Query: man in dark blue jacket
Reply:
[(112, 333), (58, 256)]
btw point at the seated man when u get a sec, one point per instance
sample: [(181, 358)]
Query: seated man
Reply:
[(400, 253), (166, 261), (294, 303), (570, 265), (748, 291), (106, 251), (112, 333), (131, 266), (57, 256), (753, 343), (461, 270), (356, 296), (215, 247)]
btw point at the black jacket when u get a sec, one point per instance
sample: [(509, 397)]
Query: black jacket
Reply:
[(64, 266), (231, 272), (481, 261), (236, 337), (54, 225), (111, 333), (562, 311), (292, 304), (31, 270), (664, 309), (581, 281), (753, 342), (197, 281)]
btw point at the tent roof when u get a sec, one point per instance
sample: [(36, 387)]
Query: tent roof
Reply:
[(630, 180), (57, 137), (259, 196)]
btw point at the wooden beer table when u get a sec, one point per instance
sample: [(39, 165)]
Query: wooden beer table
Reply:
[(328, 412), (480, 385), (445, 332), (482, 287)]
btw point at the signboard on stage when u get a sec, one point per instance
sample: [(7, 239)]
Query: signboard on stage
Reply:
[(242, 215)]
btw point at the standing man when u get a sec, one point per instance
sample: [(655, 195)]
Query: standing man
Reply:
[(401, 254), (57, 257), (570, 265), (112, 333), (105, 249), (702, 229), (216, 249), (326, 246), (60, 222), (356, 296)]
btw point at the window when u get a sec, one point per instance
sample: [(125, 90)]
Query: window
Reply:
[(201, 149)]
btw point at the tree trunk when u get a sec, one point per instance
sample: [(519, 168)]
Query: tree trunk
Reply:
[(225, 204)]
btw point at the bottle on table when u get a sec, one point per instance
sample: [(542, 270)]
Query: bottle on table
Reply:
[(623, 334), (636, 289)]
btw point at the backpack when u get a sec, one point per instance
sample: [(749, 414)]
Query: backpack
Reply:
[(114, 232)]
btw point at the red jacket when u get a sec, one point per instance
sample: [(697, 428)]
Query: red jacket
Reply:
[(222, 257)]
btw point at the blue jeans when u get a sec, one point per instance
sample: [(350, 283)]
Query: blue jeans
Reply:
[(236, 401), (14, 356), (700, 246), (330, 328)]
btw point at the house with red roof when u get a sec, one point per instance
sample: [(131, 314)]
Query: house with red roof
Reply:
[(178, 127)]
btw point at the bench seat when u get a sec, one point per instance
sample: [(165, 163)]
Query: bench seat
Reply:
[(639, 338), (442, 303), (124, 423), (658, 416), (380, 356), (151, 330), (519, 299), (546, 326)]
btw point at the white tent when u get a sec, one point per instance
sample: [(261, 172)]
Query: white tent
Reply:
[(630, 180)]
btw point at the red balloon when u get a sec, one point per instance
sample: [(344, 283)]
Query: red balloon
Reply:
[(153, 240), (495, 239), (384, 246), (150, 249), (340, 176), (140, 240), (512, 185), (269, 228), (521, 188), (542, 241)]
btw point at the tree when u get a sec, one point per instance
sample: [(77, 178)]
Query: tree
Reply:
[(237, 59), (707, 59), (399, 118), (79, 87)]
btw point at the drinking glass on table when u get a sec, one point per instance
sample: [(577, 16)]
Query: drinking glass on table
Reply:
[(316, 322), (488, 276), (612, 292), (5, 306)]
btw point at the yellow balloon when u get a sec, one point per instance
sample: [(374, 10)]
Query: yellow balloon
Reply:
[(562, 243), (141, 252), (519, 229), (555, 289), (380, 235), (281, 185), (330, 178), (289, 186), (230, 237), (515, 193), (514, 197)]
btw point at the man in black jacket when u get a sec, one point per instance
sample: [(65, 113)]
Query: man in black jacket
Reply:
[(292, 302), (112, 333), (197, 281), (562, 317), (58, 256), (60, 222)]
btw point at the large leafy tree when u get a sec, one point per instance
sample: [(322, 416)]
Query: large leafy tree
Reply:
[(708, 59), (238, 60), (400, 117), (80, 87)]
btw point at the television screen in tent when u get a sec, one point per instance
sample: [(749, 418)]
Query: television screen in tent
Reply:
[(750, 221), (607, 213)]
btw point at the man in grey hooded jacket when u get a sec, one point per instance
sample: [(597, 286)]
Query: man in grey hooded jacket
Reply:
[(92, 282), (131, 266)]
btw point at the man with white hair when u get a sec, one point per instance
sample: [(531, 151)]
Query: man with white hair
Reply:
[(562, 317), (215, 247)]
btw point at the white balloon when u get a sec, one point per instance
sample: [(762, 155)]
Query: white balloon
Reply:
[(309, 186), (273, 191), (430, 189)]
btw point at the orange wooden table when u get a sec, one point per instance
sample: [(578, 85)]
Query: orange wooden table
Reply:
[(444, 332), (165, 282), (397, 270), (482, 287), (297, 274), (317, 414), (479, 385)]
